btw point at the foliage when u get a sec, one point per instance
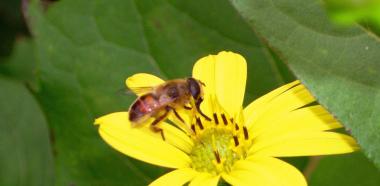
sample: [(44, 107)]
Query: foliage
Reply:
[(339, 65), (73, 68)]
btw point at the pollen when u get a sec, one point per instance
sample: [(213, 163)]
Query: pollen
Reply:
[(217, 147)]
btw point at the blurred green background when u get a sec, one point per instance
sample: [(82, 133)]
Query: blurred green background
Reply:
[(62, 64)]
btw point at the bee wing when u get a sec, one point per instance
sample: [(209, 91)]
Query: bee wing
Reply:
[(141, 90), (135, 91), (143, 83)]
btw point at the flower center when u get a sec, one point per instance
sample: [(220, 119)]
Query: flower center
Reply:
[(218, 144), (213, 151)]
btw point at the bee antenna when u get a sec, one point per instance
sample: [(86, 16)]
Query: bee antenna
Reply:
[(203, 84)]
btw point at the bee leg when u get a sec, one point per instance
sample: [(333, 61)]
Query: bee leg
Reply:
[(160, 130), (178, 116), (198, 105), (183, 125), (155, 128)]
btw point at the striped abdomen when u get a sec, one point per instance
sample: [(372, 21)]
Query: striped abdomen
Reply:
[(143, 108)]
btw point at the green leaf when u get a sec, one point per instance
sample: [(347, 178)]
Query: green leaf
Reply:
[(339, 65), (86, 49), (348, 12), (25, 153), (21, 65), (350, 170)]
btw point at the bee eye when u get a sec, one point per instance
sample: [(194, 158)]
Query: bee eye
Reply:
[(194, 87), (173, 92)]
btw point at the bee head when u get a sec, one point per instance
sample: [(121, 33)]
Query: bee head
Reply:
[(194, 88)]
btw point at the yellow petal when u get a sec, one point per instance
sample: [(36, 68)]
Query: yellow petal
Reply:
[(304, 144), (204, 70), (143, 144), (230, 76), (175, 137), (256, 107), (142, 83), (307, 119), (264, 171), (225, 76), (204, 179), (176, 177), (183, 125), (284, 103)]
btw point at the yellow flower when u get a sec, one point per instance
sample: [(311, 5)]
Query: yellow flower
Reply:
[(239, 145)]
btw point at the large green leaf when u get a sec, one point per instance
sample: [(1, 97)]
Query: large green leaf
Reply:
[(87, 48), (339, 65), (25, 152), (350, 170), (21, 65)]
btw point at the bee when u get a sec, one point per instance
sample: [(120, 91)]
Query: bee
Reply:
[(157, 102)]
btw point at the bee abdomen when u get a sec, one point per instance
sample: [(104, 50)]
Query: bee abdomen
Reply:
[(142, 107), (134, 114)]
